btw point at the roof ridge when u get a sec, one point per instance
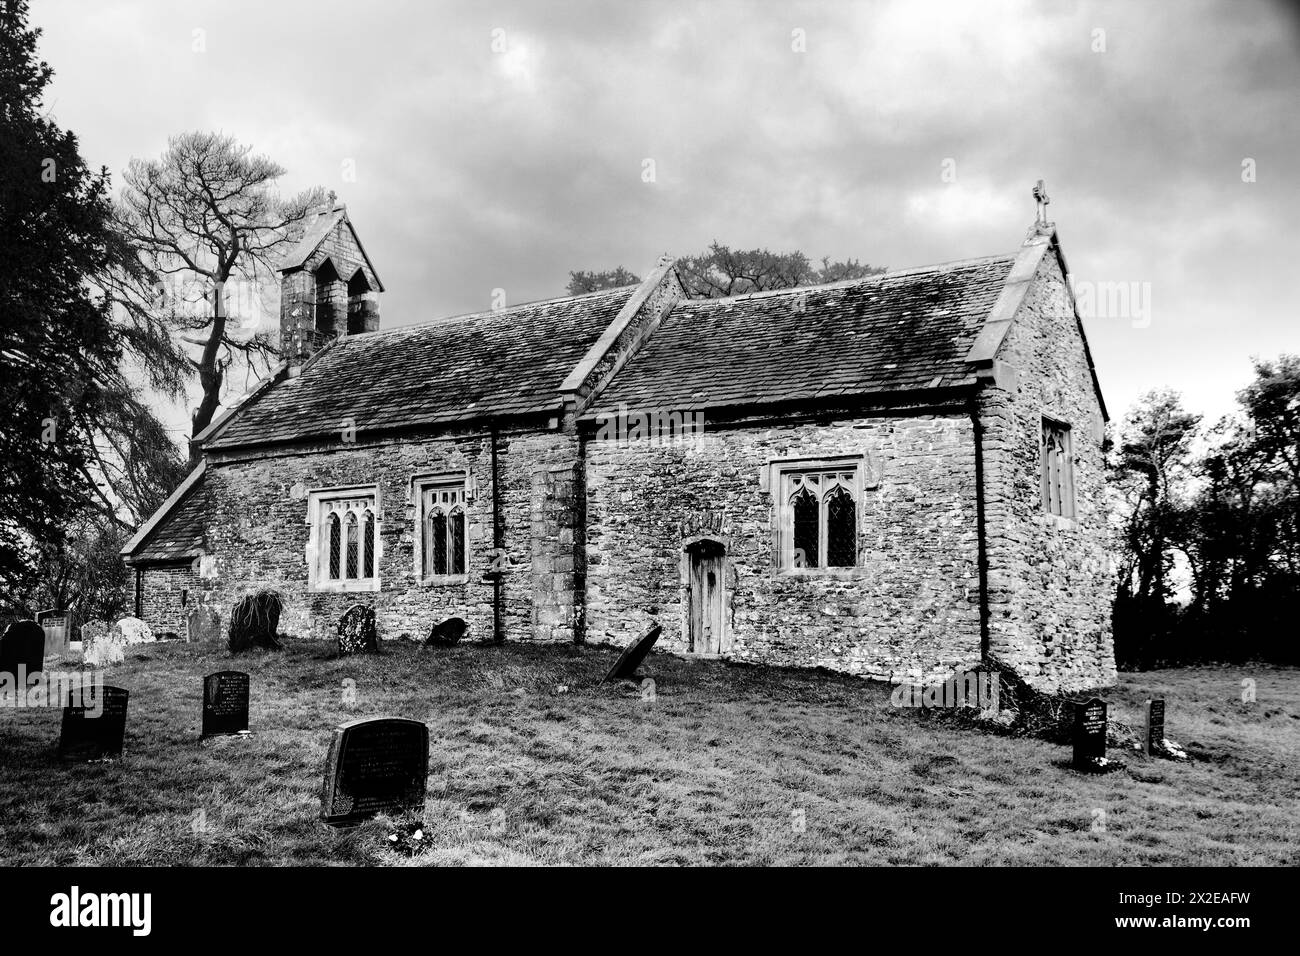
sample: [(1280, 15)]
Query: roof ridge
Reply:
[(845, 283), (463, 316)]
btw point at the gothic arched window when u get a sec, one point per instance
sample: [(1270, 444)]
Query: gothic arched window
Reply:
[(443, 506), (818, 515), (346, 540)]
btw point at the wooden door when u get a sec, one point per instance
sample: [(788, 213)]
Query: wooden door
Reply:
[(707, 594)]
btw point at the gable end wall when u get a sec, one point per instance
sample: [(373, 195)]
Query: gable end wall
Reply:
[(1050, 581)]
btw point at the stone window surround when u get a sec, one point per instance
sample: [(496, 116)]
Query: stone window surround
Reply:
[(316, 551), (418, 484), (1069, 517), (783, 517)]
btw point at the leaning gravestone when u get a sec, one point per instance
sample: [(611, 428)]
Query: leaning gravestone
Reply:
[(1089, 734), (94, 724), (375, 765), (135, 631), (356, 631), (1154, 741), (225, 704), (22, 651), (255, 621), (202, 624), (447, 632), (632, 656)]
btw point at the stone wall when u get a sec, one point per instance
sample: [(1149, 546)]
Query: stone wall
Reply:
[(910, 611), (166, 595), (258, 533), (1050, 577)]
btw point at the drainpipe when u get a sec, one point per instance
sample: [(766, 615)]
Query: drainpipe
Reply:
[(498, 545), (981, 534)]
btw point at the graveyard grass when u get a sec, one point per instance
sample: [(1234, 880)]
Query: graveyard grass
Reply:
[(728, 764)]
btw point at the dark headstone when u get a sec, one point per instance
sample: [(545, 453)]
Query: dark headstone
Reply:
[(375, 765), (254, 622), (202, 624), (356, 630), (22, 646), (94, 724), (446, 632), (1089, 733), (633, 655), (1154, 742), (225, 703)]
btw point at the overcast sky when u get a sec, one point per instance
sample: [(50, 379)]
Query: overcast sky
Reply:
[(499, 145)]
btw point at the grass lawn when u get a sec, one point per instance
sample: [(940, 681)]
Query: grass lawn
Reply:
[(720, 768)]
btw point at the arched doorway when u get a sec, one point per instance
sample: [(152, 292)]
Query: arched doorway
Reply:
[(706, 619)]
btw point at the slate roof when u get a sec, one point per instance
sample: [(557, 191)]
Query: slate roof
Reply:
[(179, 536), (510, 362), (893, 332)]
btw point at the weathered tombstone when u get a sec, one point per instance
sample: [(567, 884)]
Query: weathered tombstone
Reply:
[(58, 630), (447, 632), (101, 644), (356, 631), (254, 622), (94, 724), (22, 651), (135, 631), (202, 624), (225, 704), (1154, 741), (375, 765), (632, 656), (1089, 734)]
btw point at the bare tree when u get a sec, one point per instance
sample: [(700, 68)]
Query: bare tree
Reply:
[(721, 271), (208, 227)]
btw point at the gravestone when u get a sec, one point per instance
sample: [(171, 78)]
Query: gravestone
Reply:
[(632, 656), (255, 622), (135, 631), (1089, 733), (202, 624), (225, 704), (101, 644), (375, 765), (22, 651), (356, 631), (58, 630), (94, 724), (447, 632), (1154, 742)]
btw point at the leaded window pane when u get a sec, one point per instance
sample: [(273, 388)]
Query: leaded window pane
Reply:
[(351, 542), (805, 530), (368, 544), (333, 545), (438, 527), (458, 542), (841, 530)]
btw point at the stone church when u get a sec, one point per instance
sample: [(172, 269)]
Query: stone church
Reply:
[(896, 477)]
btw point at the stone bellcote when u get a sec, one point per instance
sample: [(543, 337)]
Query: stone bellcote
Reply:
[(328, 286)]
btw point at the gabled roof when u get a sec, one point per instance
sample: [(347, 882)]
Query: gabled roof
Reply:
[(318, 224), (894, 332), (491, 364), (175, 532)]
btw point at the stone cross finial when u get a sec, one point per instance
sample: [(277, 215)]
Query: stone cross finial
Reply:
[(1041, 197)]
